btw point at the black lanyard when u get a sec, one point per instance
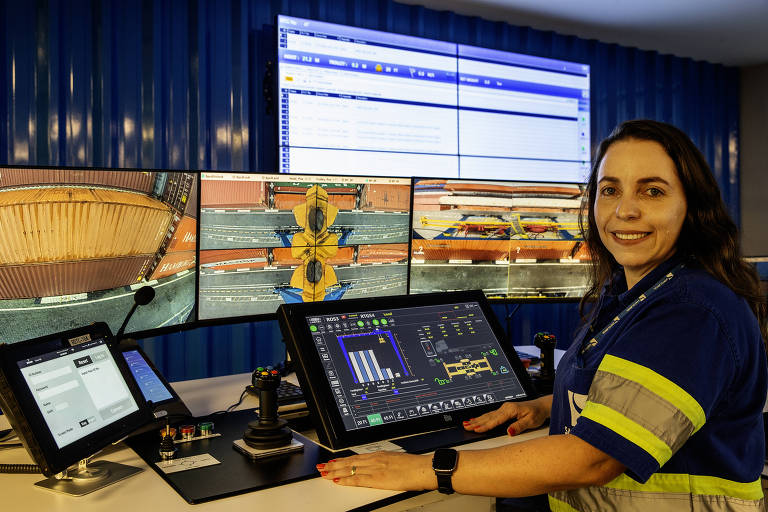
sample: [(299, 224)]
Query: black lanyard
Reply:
[(661, 282)]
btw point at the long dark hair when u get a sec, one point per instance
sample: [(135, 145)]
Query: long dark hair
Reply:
[(708, 233)]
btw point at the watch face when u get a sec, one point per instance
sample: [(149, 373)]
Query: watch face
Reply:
[(445, 459)]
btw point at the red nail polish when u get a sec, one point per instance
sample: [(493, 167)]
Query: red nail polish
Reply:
[(320, 466), (511, 431), (324, 473), (336, 480), (334, 460)]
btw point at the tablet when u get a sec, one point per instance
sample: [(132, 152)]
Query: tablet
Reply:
[(68, 395), (375, 369), (156, 390)]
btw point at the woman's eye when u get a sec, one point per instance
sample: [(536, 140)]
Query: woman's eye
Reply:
[(607, 191), (655, 192)]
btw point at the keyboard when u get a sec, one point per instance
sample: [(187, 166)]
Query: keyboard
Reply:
[(288, 393)]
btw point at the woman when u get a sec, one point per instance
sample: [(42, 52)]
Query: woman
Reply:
[(658, 402)]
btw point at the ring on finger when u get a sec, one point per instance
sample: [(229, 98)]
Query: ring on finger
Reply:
[(353, 471)]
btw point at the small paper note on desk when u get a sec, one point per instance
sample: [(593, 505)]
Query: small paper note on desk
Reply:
[(186, 463), (376, 447)]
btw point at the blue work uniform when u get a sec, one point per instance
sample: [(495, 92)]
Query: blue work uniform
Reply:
[(674, 391)]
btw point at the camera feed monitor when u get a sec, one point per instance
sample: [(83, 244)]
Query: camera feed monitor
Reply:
[(75, 244), (511, 239), (269, 239), (360, 101), (387, 368)]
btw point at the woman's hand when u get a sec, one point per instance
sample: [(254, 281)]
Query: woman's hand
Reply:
[(382, 470), (527, 415)]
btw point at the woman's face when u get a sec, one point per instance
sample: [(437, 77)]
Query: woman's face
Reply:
[(640, 206)]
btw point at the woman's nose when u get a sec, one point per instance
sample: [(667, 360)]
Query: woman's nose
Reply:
[(627, 208)]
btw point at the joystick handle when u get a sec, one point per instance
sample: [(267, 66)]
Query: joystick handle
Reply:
[(546, 343), (268, 431), (266, 380)]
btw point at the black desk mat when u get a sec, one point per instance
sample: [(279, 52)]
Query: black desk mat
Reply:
[(236, 474)]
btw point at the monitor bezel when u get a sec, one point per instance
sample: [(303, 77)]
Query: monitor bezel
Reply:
[(25, 417), (319, 397)]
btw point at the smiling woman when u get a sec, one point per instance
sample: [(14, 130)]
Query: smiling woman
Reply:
[(640, 417), (640, 206)]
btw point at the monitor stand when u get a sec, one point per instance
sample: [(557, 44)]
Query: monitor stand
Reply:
[(88, 477)]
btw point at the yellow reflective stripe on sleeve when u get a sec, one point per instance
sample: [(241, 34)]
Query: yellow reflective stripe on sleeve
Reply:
[(555, 505), (629, 430), (690, 484), (658, 384)]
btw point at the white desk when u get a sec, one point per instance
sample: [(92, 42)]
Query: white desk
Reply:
[(147, 492)]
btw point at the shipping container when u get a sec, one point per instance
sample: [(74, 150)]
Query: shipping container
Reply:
[(177, 190), (66, 224), (382, 253), (173, 263), (233, 194), (282, 257), (231, 259), (192, 203), (385, 197), (139, 181), (184, 236), (491, 189), (71, 277), (345, 256), (285, 201), (492, 250)]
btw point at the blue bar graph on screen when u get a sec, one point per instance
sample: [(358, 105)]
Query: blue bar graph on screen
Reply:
[(372, 356)]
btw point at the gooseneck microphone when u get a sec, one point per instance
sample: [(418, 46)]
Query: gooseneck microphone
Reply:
[(142, 297)]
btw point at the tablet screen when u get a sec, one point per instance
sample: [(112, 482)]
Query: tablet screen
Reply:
[(392, 365), (151, 385), (77, 389)]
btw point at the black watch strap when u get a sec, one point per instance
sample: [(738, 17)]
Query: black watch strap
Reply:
[(444, 484), (444, 464)]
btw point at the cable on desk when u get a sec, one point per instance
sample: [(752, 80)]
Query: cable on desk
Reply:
[(20, 468), (231, 407)]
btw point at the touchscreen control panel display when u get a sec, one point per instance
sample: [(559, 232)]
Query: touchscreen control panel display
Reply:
[(398, 364), (78, 390)]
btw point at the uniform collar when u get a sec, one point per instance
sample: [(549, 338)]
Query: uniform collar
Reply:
[(625, 297)]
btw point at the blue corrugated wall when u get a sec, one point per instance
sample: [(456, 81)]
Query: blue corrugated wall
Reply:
[(181, 84)]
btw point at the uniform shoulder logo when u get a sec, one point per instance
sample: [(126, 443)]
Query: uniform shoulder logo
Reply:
[(576, 401)]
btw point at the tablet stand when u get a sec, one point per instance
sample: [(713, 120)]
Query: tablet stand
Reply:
[(88, 477)]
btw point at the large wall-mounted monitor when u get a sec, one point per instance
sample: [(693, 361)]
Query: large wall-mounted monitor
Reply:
[(359, 101), (269, 239), (75, 244), (513, 240)]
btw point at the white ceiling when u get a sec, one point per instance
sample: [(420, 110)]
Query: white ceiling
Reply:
[(731, 32)]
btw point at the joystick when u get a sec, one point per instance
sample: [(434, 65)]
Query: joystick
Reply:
[(269, 431), (545, 380)]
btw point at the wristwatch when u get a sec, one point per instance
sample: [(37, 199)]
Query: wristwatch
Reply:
[(444, 463)]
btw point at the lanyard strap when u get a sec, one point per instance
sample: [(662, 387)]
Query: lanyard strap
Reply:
[(653, 289)]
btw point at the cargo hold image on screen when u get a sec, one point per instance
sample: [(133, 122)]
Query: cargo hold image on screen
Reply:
[(269, 239), (512, 239), (76, 243)]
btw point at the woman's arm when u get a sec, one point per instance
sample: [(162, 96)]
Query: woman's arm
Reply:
[(520, 469)]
